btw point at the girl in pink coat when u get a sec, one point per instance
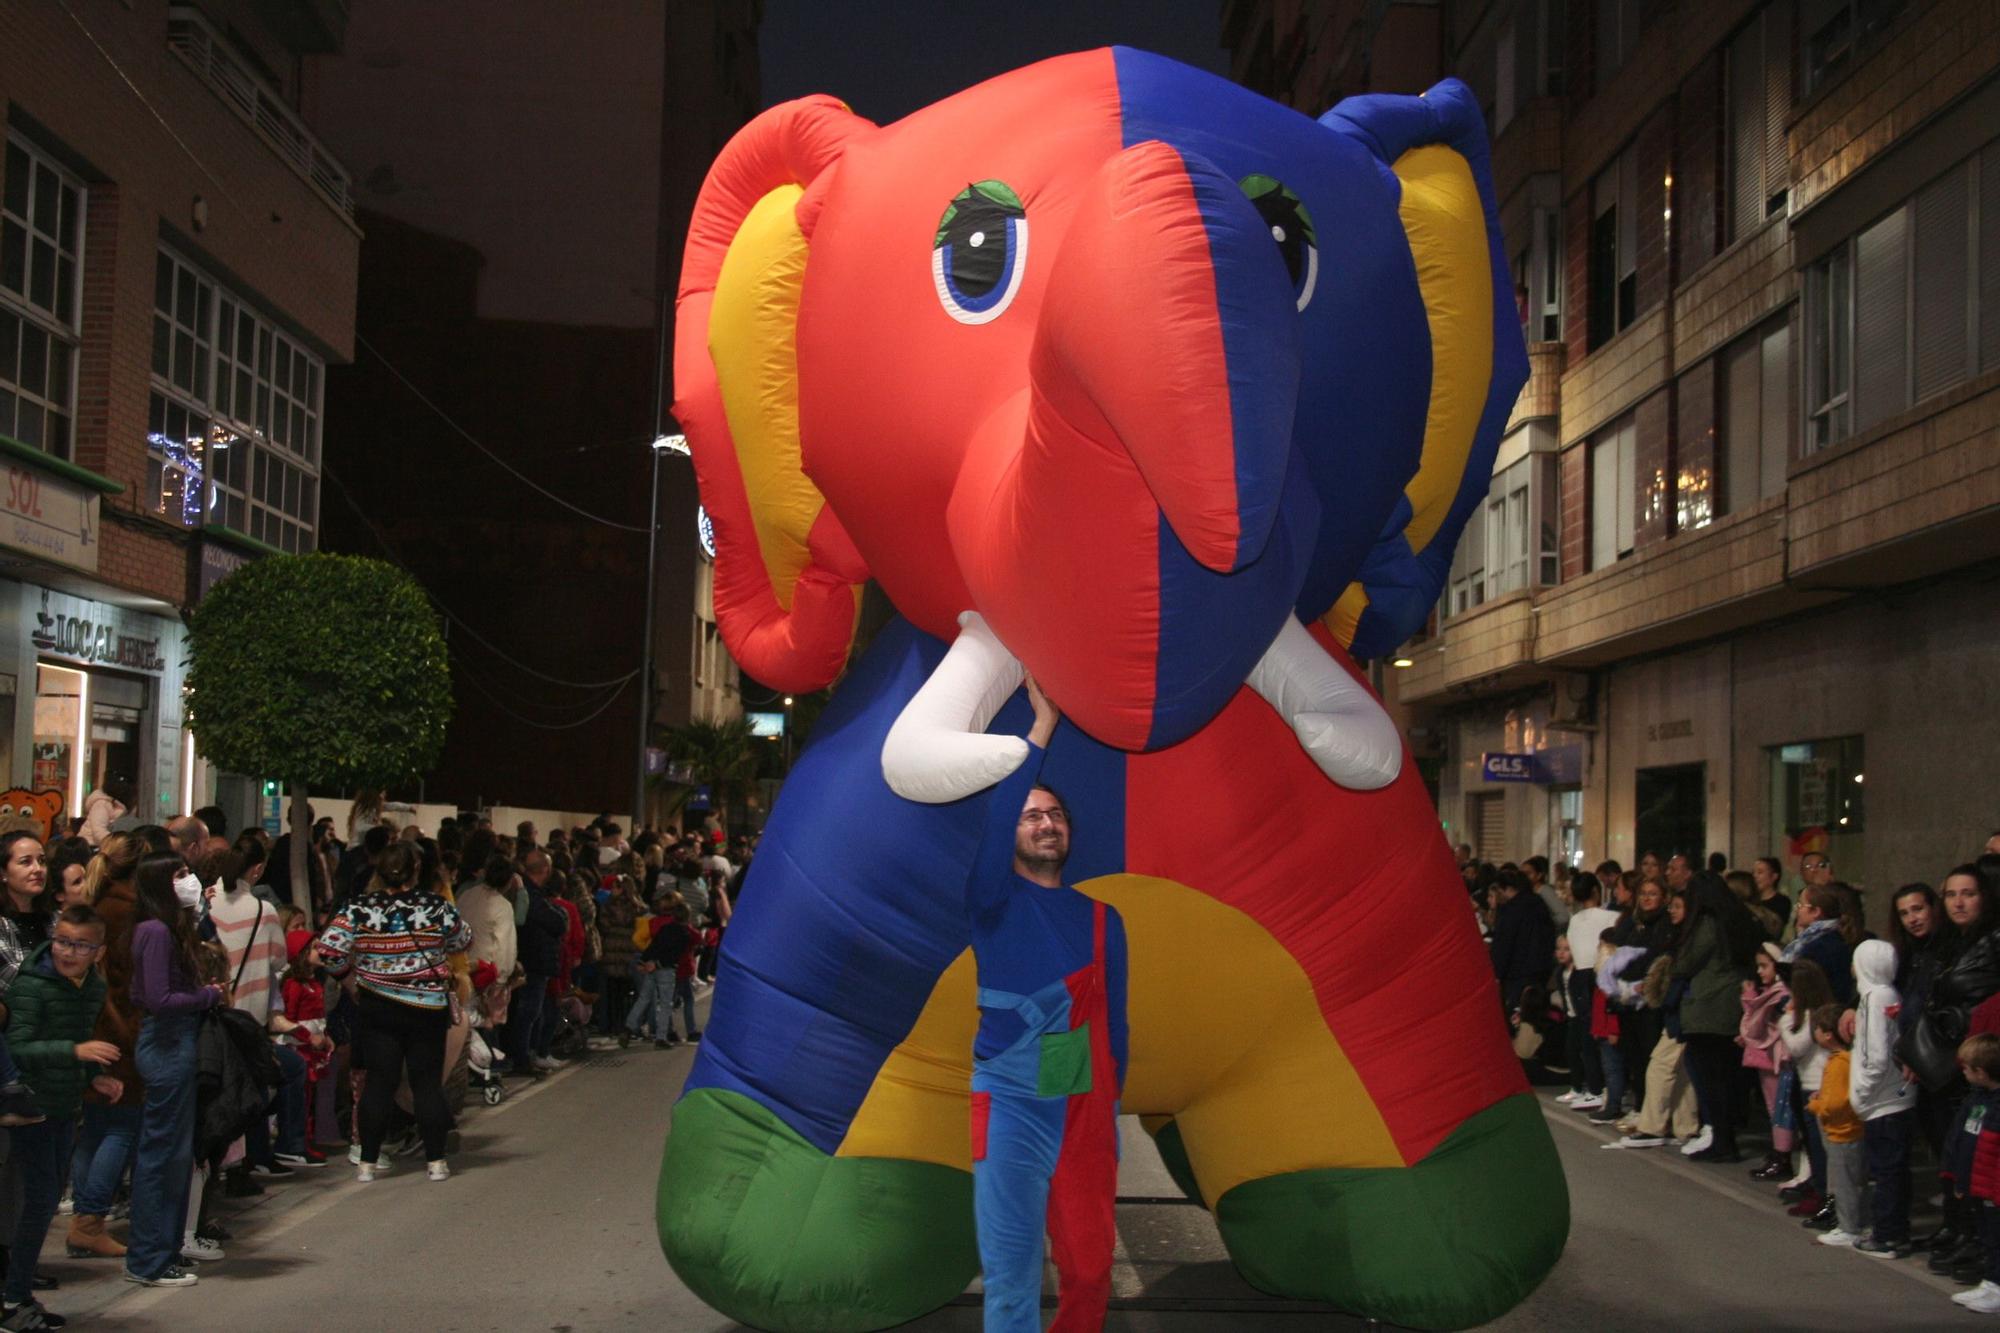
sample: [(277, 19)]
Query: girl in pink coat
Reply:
[(1764, 1000)]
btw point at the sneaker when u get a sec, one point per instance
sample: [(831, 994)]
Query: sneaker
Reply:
[(354, 1154), (214, 1231), (199, 1249), (66, 1207), (547, 1064), (694, 1036), (19, 1107), (1805, 1205), (28, 1317), (309, 1157), (367, 1171), (1965, 1297), (1606, 1117), (1569, 1096), (1701, 1142), (173, 1275), (666, 1044), (1637, 1141), (1838, 1238), (239, 1185), (270, 1170), (1985, 1299), (1883, 1249), (1588, 1102), (438, 1170)]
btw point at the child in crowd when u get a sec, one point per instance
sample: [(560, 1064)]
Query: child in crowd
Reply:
[(1883, 1098), (1810, 989), (53, 1007), (662, 939), (684, 970), (1972, 1159), (1757, 1032), (1840, 1129), (1576, 1030), (305, 1005)]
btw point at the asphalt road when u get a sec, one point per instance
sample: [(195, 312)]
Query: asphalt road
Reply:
[(547, 1225)]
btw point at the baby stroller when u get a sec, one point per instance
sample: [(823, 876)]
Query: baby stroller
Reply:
[(572, 1028), (479, 1062)]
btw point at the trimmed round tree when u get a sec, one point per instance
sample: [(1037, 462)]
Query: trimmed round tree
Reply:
[(318, 669)]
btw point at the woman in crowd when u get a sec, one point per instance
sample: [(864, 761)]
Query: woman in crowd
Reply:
[(24, 913), (616, 918), (397, 939), (166, 990), (1643, 926), (1823, 940), (69, 873), (1711, 961), (103, 807), (1767, 873), (110, 1127)]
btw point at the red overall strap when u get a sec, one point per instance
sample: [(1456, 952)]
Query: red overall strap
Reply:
[(1097, 935)]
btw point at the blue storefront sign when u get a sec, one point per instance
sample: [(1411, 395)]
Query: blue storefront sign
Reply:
[(1509, 768)]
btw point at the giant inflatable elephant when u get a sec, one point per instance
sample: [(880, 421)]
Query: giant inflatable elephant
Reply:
[(1175, 397)]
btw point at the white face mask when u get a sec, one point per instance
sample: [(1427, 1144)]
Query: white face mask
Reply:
[(187, 888)]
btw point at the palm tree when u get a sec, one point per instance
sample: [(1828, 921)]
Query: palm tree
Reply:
[(722, 754)]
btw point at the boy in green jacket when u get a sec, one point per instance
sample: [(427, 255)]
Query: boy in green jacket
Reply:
[(53, 1006)]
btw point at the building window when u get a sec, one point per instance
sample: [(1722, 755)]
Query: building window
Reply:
[(41, 270), (1907, 309), (1509, 542), (1614, 248), (1831, 31), (1755, 417), (1538, 267), (1614, 500), (1829, 308), (233, 433), (1466, 587), (1759, 94), (1816, 796), (1615, 36)]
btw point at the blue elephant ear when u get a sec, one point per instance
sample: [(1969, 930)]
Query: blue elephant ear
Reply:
[(1436, 146)]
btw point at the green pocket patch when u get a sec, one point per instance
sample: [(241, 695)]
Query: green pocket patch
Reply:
[(1065, 1065)]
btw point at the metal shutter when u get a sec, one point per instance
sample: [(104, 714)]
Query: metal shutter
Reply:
[(1943, 245), (1881, 358), (1488, 820)]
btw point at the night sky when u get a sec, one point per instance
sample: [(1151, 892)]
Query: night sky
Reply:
[(887, 58)]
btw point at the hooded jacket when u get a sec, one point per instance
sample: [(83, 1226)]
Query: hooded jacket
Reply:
[(49, 1016), (1877, 1088), (1763, 1044)]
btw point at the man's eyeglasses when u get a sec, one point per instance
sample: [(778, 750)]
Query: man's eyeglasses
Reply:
[(1032, 818), (76, 946)]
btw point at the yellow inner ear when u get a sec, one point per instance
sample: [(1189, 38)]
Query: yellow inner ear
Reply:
[(753, 341), (1446, 223)]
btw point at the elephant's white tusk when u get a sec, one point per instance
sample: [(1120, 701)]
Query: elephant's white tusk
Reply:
[(1336, 720), (938, 750)]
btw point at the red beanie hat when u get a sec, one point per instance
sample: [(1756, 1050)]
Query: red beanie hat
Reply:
[(296, 943)]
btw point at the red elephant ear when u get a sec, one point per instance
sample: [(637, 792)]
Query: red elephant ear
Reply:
[(787, 578)]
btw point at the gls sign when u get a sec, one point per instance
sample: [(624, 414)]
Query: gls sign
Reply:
[(1509, 768)]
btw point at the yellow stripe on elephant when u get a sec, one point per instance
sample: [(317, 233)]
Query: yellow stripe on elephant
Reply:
[(1345, 617), (752, 339), (1446, 224), (1227, 1038)]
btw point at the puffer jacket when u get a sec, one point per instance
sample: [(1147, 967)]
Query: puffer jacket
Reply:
[(48, 1015), (1970, 977), (235, 1075), (118, 1020), (614, 930)]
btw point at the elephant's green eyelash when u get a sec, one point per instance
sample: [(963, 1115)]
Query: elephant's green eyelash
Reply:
[(1256, 187), (995, 193)]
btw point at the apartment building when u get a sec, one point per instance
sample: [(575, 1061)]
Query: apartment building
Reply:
[(1731, 587), (177, 270)]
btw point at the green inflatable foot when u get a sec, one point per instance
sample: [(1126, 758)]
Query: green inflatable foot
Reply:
[(1457, 1239), (771, 1231)]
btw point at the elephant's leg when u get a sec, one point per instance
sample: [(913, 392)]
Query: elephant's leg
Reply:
[(771, 1230), (1455, 1239)]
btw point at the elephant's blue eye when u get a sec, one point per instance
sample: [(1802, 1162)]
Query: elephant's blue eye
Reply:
[(980, 252), (1291, 231)]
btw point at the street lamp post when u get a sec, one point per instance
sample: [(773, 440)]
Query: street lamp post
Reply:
[(663, 444)]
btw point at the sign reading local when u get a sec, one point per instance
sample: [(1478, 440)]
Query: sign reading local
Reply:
[(1508, 767), (49, 517), (95, 634)]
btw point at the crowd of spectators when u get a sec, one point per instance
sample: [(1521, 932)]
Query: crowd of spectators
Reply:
[(183, 1021), (1692, 1006)]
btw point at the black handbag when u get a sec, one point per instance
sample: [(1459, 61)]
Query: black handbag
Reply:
[(1930, 1046)]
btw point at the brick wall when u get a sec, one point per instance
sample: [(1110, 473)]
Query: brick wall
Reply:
[(1573, 485), (1613, 380), (1654, 149), (1576, 274), (146, 157), (1698, 192)]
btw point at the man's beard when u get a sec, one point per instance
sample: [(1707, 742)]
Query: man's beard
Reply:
[(1040, 856)]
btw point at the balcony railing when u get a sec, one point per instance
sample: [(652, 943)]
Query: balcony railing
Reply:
[(191, 38)]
